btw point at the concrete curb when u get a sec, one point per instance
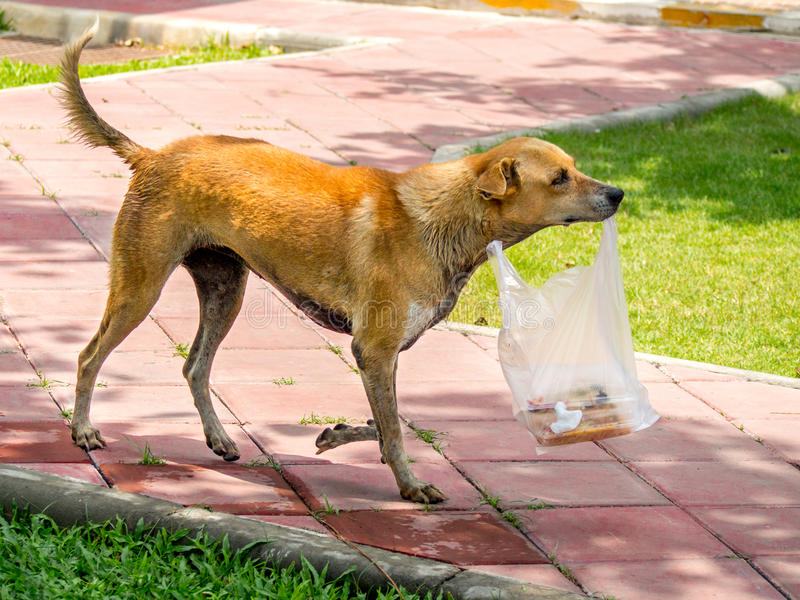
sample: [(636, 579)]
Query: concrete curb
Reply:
[(667, 111), (69, 502), (638, 12), (655, 359), (67, 23)]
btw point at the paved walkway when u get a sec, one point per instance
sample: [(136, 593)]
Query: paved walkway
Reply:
[(706, 504)]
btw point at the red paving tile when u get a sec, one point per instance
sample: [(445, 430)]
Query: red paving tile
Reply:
[(178, 443), (519, 484), (753, 531), (139, 367), (688, 579), (82, 471), (160, 403), (780, 434), (458, 538), (682, 374), (272, 403), (751, 483), (743, 399), (53, 251), (38, 442), (486, 342), (507, 441), (465, 362), (262, 366), (784, 570), (8, 345), (68, 304), (706, 440), (15, 370), (234, 489), (673, 402), (70, 336), (368, 486), (53, 225), (89, 274), (538, 574), (23, 403), (456, 401), (649, 373), (620, 533), (265, 334)]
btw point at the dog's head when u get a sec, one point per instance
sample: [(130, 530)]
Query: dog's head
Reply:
[(529, 184)]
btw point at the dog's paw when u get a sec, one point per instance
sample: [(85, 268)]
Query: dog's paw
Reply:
[(223, 446), (344, 434), (87, 437), (424, 493)]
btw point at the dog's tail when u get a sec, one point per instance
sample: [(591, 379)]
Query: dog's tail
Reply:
[(82, 118)]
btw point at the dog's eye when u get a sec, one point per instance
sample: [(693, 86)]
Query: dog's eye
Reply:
[(563, 177)]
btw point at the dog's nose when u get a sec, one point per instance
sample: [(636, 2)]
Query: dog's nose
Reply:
[(615, 195)]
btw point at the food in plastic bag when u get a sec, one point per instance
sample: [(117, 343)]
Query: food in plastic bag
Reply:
[(566, 350)]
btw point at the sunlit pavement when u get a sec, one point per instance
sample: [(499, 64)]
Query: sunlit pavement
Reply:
[(706, 504)]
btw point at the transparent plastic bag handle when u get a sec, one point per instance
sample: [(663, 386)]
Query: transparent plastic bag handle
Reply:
[(505, 274), (608, 276)]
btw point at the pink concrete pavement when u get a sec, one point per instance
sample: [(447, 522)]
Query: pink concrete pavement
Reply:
[(704, 505)]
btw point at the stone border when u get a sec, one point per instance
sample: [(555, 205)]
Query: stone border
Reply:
[(68, 23), (69, 502), (635, 12), (667, 111)]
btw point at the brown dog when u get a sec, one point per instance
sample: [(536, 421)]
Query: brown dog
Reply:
[(380, 255)]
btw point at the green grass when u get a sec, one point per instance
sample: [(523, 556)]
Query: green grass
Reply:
[(709, 234), (15, 74), (40, 560), (431, 437), (5, 22), (148, 458)]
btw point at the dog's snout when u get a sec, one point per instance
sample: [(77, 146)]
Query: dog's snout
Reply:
[(614, 195)]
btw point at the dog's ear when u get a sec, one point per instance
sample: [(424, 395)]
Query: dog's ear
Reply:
[(496, 179)]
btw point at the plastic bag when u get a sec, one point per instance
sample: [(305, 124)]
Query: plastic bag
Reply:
[(566, 350)]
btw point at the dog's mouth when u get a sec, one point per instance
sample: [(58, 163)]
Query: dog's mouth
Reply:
[(569, 221)]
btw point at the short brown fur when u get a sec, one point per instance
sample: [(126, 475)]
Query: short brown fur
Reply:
[(378, 254)]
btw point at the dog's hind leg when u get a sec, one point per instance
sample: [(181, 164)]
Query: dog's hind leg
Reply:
[(220, 279), (378, 368), (133, 292)]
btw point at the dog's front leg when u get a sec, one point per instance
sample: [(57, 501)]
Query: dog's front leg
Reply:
[(377, 367)]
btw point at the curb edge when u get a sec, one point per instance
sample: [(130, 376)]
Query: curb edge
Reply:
[(69, 502)]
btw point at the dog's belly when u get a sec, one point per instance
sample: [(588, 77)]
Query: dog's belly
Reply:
[(325, 316), (322, 315)]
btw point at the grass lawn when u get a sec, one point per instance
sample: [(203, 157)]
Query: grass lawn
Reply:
[(709, 235), (15, 74), (39, 560)]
